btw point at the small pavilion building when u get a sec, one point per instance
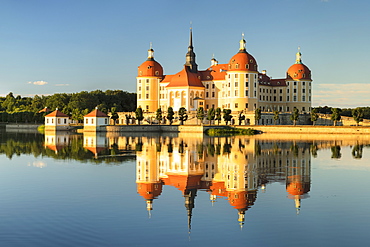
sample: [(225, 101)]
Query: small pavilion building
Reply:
[(95, 120), (57, 120)]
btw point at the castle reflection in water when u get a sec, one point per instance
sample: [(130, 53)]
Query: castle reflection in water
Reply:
[(235, 168)]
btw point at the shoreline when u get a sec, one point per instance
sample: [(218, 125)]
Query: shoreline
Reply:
[(273, 129)]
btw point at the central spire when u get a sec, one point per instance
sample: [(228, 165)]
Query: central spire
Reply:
[(190, 55)]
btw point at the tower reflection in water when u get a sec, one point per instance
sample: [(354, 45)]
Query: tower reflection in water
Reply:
[(232, 167)]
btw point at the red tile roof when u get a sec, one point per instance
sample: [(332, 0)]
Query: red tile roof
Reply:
[(185, 78), (96, 113), (57, 113)]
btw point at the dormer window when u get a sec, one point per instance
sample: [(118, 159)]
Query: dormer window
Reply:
[(157, 73), (237, 66)]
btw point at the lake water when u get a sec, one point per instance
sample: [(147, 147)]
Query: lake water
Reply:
[(62, 189)]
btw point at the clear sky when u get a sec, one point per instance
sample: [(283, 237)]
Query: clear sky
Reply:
[(51, 46)]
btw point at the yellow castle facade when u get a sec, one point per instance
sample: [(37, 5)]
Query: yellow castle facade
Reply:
[(237, 85)]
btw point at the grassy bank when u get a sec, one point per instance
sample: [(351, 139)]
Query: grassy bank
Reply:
[(229, 131)]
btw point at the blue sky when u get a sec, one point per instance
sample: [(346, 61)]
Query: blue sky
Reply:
[(51, 46)]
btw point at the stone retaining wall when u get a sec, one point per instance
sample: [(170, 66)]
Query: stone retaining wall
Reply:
[(313, 129)]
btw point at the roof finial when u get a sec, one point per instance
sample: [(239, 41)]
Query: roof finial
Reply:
[(298, 59), (242, 44), (150, 52)]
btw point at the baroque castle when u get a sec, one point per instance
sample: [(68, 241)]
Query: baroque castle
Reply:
[(236, 85)]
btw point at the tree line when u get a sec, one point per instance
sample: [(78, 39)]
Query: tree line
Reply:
[(76, 105)]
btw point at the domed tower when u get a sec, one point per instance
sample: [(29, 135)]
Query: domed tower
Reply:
[(150, 73), (298, 80), (240, 89)]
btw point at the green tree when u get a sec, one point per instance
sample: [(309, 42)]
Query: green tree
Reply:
[(158, 115), (170, 114), (139, 115), (183, 116), (9, 104), (218, 115), (314, 116), (276, 116), (335, 116), (241, 117), (257, 115), (227, 115), (114, 115), (295, 116), (358, 115), (211, 115), (200, 114)]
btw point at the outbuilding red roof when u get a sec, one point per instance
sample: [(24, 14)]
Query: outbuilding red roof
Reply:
[(57, 113), (96, 113)]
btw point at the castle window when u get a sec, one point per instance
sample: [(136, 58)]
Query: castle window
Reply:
[(147, 108), (274, 98), (147, 88), (207, 86), (287, 90), (294, 98), (147, 80), (281, 90), (139, 81), (147, 96), (295, 83), (281, 98), (236, 84), (274, 90), (206, 94), (246, 105), (247, 67), (303, 83), (294, 90), (213, 85), (236, 92), (139, 88), (303, 98), (236, 105), (237, 66), (139, 96), (246, 92), (303, 90), (287, 98), (213, 94), (303, 109)]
